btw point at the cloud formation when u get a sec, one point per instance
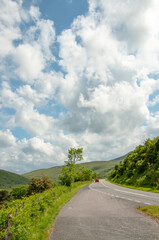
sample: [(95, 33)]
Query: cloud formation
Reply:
[(95, 85)]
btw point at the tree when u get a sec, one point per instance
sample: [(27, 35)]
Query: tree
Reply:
[(66, 177), (87, 174), (74, 155), (70, 170)]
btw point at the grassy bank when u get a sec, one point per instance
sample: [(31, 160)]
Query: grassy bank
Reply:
[(152, 211), (147, 189), (33, 217), (140, 168)]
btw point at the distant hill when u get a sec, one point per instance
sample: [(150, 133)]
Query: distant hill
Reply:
[(9, 179), (141, 167), (102, 168)]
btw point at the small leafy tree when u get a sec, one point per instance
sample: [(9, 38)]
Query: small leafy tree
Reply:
[(70, 170), (66, 177), (74, 155), (39, 185)]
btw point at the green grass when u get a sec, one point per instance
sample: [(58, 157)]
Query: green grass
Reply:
[(152, 211), (147, 189), (52, 173), (102, 168), (9, 179), (34, 220)]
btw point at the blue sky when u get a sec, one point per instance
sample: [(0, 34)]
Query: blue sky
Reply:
[(62, 12), (69, 78)]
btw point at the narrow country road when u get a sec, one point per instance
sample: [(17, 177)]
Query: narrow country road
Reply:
[(104, 211)]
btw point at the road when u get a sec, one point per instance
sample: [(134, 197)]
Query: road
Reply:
[(104, 211)]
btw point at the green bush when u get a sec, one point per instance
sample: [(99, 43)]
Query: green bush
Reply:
[(19, 191), (66, 179), (87, 174), (140, 167), (40, 184), (4, 195)]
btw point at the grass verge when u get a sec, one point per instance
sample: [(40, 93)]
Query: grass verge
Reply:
[(43, 228), (147, 189), (152, 211), (32, 218)]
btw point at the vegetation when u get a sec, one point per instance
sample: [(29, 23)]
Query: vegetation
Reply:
[(152, 211), (147, 189), (4, 196), (102, 168), (32, 217), (38, 185), (140, 168), (73, 173), (19, 192), (31, 210), (9, 179), (74, 155)]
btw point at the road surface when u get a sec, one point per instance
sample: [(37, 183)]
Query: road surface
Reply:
[(104, 211)]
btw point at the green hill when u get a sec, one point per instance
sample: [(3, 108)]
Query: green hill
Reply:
[(9, 179), (141, 167), (102, 168)]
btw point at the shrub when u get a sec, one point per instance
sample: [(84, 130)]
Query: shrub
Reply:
[(87, 174), (4, 195), (39, 185), (66, 179), (19, 191)]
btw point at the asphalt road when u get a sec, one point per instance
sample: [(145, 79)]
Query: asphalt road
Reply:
[(104, 211)]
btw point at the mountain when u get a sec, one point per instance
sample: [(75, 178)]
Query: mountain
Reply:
[(141, 167), (102, 168), (9, 179)]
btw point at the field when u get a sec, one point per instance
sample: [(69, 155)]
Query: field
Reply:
[(9, 179), (102, 168)]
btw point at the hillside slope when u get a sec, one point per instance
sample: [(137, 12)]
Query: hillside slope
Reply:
[(9, 179), (140, 167), (102, 168)]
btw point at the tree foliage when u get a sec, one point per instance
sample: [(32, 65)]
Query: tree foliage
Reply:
[(74, 155), (140, 167), (39, 185), (73, 173)]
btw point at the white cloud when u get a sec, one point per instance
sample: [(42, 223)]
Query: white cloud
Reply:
[(31, 95), (108, 93), (35, 13), (26, 116), (33, 122), (9, 30), (7, 139), (37, 145), (9, 12), (43, 33), (102, 92), (30, 62)]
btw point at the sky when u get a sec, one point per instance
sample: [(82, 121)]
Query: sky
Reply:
[(76, 73)]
